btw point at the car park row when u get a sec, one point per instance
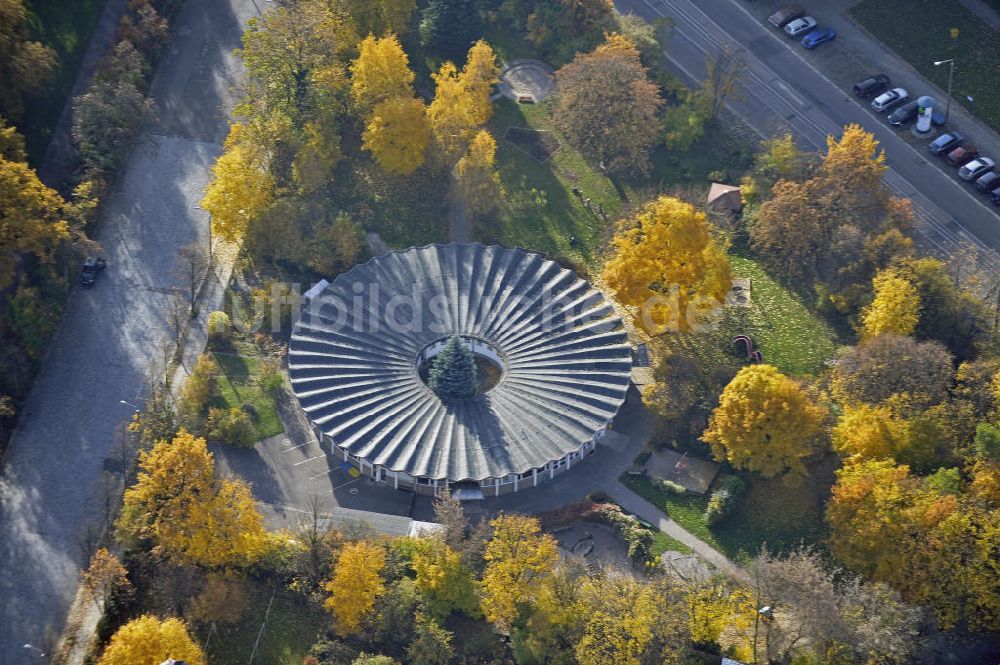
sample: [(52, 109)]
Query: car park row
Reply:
[(900, 108)]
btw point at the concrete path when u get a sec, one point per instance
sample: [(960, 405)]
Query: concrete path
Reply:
[(459, 227), (112, 334)]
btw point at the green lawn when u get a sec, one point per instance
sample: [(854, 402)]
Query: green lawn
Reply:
[(771, 512), (542, 211), (920, 32), (293, 626), (664, 543), (239, 384), (66, 27), (792, 337)]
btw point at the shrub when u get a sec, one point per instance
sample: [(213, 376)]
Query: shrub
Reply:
[(668, 486), (727, 492), (199, 389), (220, 329), (233, 426)]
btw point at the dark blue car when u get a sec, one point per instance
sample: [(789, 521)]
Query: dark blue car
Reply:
[(818, 36)]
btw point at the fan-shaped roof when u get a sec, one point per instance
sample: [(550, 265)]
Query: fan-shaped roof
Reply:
[(354, 355)]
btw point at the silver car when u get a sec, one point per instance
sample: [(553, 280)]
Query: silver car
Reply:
[(976, 168), (800, 26), (888, 99)]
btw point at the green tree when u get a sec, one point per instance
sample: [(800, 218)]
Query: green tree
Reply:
[(453, 372), (765, 422), (448, 27), (431, 643)]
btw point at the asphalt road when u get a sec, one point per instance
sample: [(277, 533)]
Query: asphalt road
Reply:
[(783, 91), (51, 485)]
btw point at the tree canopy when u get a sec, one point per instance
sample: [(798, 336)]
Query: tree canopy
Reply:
[(149, 640), (606, 106), (765, 422), (453, 371), (668, 266)]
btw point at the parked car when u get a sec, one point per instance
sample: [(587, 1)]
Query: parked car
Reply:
[(92, 267), (888, 99), (785, 15), (945, 143), (819, 36), (800, 26), (903, 114), (976, 168), (995, 197), (962, 154), (873, 85), (988, 182)]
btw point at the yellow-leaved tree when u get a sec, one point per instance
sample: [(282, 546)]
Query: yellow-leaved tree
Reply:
[(477, 180), (380, 72), (178, 503), (667, 266), (443, 580), (397, 135), (241, 187), (478, 77), (895, 308), (148, 640), (765, 422), (870, 432), (621, 615), (31, 218), (356, 584), (518, 557), (721, 613), (453, 113)]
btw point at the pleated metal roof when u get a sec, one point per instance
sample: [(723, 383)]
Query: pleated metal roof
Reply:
[(353, 361)]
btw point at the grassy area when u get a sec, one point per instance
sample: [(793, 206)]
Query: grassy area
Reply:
[(664, 543), (920, 32), (66, 27), (792, 336), (542, 211), (240, 383), (293, 625), (771, 512)]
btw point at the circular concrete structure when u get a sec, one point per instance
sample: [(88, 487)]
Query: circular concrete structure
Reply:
[(561, 355)]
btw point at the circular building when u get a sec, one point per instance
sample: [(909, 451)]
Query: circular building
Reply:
[(553, 366)]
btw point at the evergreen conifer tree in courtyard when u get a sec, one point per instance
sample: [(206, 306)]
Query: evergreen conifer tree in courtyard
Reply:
[(453, 373), (449, 27)]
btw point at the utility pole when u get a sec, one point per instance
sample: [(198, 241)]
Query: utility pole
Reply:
[(951, 79)]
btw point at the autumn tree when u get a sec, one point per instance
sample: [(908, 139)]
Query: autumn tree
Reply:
[(105, 578), (397, 135), (518, 557), (895, 308), (31, 218), (149, 640), (477, 180), (449, 27), (356, 584), (888, 365), (765, 422), (241, 187), (25, 65), (380, 72), (377, 17), (606, 106), (223, 599), (668, 266), (179, 504), (724, 70), (461, 101), (432, 644), (199, 389), (619, 623), (444, 581), (870, 432)]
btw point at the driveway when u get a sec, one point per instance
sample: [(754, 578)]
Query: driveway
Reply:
[(784, 91), (111, 335)]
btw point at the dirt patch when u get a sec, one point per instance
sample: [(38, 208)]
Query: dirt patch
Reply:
[(538, 144)]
